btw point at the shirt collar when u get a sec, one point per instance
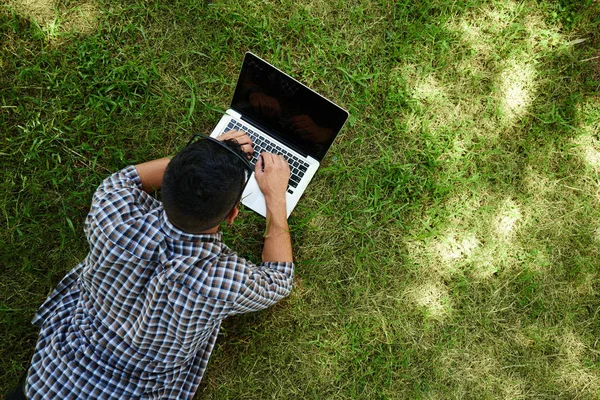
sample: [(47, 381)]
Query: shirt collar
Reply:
[(177, 234)]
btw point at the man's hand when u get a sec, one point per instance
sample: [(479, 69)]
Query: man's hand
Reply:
[(242, 138), (272, 173)]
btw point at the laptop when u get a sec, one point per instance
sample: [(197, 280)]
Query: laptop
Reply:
[(281, 116)]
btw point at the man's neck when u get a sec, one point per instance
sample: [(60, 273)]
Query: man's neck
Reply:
[(211, 230)]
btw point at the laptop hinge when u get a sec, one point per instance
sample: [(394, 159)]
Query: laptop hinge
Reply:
[(234, 113), (271, 132)]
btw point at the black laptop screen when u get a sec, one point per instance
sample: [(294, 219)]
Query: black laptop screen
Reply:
[(297, 115)]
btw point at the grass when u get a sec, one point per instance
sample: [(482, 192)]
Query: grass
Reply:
[(447, 248)]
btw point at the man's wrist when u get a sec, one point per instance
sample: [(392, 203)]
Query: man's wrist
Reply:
[(276, 202)]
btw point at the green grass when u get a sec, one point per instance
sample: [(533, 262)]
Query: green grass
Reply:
[(447, 248)]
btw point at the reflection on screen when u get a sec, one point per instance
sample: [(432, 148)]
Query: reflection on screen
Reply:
[(295, 113)]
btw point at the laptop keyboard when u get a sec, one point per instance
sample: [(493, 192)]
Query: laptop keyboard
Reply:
[(262, 143)]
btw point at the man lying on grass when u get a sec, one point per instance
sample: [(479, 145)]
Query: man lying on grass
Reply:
[(138, 318)]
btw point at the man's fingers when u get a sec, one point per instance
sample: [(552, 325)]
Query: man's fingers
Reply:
[(248, 149), (239, 136), (279, 159), (259, 166), (242, 138), (264, 162), (269, 160)]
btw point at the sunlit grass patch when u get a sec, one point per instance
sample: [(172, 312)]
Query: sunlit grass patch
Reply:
[(55, 19), (588, 146), (503, 44), (507, 220), (488, 29), (434, 300), (42, 11), (481, 26), (82, 18), (454, 247), (587, 142), (517, 88), (428, 90)]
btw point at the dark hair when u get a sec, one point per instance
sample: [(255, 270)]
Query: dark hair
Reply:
[(202, 184)]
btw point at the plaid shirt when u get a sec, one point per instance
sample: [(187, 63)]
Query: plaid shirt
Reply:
[(138, 318)]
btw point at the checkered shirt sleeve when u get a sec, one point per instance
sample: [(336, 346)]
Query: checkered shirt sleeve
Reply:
[(266, 285)]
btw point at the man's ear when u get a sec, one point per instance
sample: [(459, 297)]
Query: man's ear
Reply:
[(232, 215)]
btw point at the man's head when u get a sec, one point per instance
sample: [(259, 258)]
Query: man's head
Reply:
[(203, 184)]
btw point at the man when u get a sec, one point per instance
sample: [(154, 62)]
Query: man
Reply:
[(138, 318)]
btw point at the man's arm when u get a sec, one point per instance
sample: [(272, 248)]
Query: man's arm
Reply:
[(151, 173), (273, 279), (272, 174)]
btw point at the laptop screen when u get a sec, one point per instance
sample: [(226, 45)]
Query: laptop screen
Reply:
[(297, 115)]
